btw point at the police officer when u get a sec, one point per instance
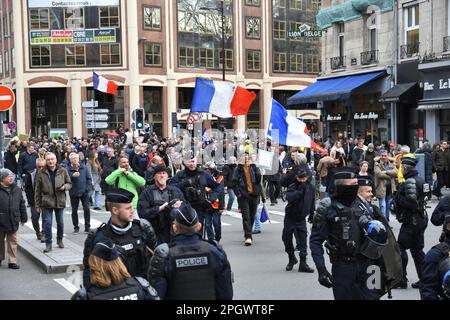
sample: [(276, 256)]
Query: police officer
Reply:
[(213, 221), (301, 202), (135, 239), (190, 268), (436, 268), (338, 223), (193, 182), (156, 202), (410, 209), (110, 279), (439, 213)]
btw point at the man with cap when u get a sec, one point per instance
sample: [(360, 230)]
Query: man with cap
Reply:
[(436, 268), (156, 202), (336, 221), (110, 280), (190, 268), (135, 239), (410, 210), (12, 212), (301, 203)]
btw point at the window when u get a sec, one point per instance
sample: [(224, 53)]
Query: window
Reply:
[(296, 62), (252, 2), (152, 18), (296, 4), (186, 57), (279, 30), (314, 5), (1, 63), (412, 26), (11, 23), (153, 54), (312, 63), (110, 54), (253, 60), (206, 58), (279, 3), (109, 17), (13, 58), (40, 56), (228, 59), (279, 62), (74, 18), (75, 55), (6, 61), (253, 27), (39, 19), (340, 31)]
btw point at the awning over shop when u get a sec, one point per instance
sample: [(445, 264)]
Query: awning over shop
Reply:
[(405, 92), (332, 89), (425, 105)]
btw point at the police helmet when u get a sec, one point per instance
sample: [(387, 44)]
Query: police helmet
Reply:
[(444, 275), (376, 239)]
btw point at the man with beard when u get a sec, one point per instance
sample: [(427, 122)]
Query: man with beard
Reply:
[(300, 197), (337, 223)]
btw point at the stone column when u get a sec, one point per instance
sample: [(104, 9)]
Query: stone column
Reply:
[(20, 81), (133, 57), (77, 115)]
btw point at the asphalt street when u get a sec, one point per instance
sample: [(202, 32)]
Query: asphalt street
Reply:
[(259, 270)]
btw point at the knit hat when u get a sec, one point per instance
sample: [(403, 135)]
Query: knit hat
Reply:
[(370, 146), (4, 173)]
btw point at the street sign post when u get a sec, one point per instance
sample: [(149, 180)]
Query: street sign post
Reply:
[(89, 104), (12, 125), (90, 111), (97, 117), (7, 100), (98, 125)]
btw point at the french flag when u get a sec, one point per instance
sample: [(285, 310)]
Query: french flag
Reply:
[(291, 131), (104, 85), (221, 98)]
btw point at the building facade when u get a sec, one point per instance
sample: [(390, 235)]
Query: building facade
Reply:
[(153, 50), (357, 68)]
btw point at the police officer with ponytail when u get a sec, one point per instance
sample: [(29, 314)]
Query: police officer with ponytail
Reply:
[(190, 268), (343, 227)]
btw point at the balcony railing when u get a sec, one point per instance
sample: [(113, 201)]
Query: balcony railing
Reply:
[(369, 57), (446, 44), (337, 62), (409, 50)]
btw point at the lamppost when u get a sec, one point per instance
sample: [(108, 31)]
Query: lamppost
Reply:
[(221, 10)]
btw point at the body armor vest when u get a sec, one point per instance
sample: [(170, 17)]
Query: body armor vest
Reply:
[(192, 189), (193, 274), (132, 249), (130, 289)]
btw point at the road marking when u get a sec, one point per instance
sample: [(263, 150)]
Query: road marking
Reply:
[(225, 224), (67, 285), (278, 213), (239, 216), (94, 223)]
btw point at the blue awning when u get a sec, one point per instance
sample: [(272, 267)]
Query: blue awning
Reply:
[(332, 89)]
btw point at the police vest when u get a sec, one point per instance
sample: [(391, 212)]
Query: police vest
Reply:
[(192, 189), (130, 289), (192, 275), (345, 233), (132, 248)]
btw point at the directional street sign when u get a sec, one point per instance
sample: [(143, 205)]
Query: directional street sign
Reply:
[(7, 98), (90, 104), (98, 125), (97, 117), (97, 110)]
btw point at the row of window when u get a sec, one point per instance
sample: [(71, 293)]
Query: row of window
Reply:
[(298, 4), (5, 61), (76, 55), (74, 18)]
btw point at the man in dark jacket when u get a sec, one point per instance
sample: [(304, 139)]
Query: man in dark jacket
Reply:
[(10, 159), (12, 212), (227, 173), (140, 162), (109, 164), (27, 161), (440, 164), (81, 178), (427, 152), (369, 155), (156, 202), (247, 186), (301, 197)]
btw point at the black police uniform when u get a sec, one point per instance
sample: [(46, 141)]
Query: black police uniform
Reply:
[(410, 211), (301, 203), (191, 268), (439, 214), (133, 241), (148, 208), (432, 286), (338, 223)]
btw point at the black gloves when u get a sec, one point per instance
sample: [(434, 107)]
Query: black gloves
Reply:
[(171, 203), (325, 278)]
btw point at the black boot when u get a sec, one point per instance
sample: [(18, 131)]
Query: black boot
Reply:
[(292, 261), (303, 267)]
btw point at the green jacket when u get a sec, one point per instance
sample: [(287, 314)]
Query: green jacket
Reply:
[(119, 180)]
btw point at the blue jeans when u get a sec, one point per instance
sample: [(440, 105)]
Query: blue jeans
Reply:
[(385, 205), (47, 221), (258, 224), (231, 197), (217, 224), (96, 198)]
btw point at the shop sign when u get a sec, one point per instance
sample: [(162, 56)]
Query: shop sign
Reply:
[(334, 117), (305, 31), (436, 85), (73, 36), (71, 3), (365, 116)]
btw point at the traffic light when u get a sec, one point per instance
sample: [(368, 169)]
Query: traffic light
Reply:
[(140, 119)]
